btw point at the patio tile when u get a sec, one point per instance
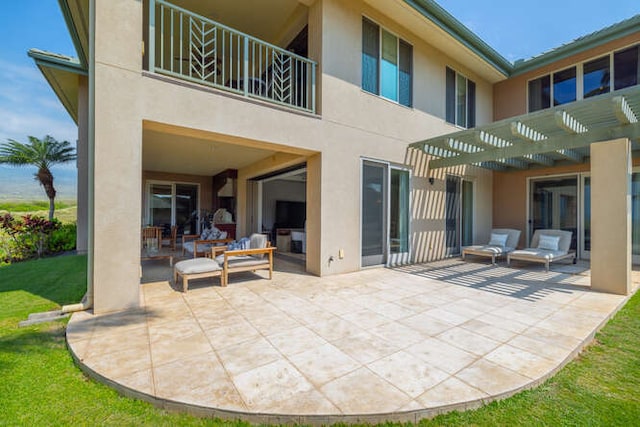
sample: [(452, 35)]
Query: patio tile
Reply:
[(310, 402), (231, 331), (426, 324), (468, 341), (181, 328), (248, 355), (121, 363), (447, 316), (365, 318), (398, 334), (552, 338), (445, 356), (489, 331), (491, 378), (219, 394), (273, 324), (295, 340), (408, 373), (362, 392), (365, 347), (448, 392), (270, 385), (139, 381), (334, 328), (179, 348), (179, 377), (503, 322), (137, 338), (323, 364), (394, 311), (521, 361)]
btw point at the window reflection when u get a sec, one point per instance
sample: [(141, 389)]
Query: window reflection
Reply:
[(564, 86), (596, 77)]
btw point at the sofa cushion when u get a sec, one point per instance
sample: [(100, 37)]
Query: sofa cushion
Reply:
[(197, 265), (241, 260)]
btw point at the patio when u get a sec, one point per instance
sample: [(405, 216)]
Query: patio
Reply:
[(380, 344)]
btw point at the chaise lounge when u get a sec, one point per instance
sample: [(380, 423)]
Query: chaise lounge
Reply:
[(547, 246), (502, 241)]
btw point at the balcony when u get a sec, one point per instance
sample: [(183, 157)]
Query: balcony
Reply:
[(191, 47)]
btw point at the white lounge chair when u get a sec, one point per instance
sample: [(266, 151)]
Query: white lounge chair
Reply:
[(547, 246), (502, 241)]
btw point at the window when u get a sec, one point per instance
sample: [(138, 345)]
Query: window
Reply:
[(386, 64), (620, 69), (625, 67), (564, 86), (596, 77), (460, 100)]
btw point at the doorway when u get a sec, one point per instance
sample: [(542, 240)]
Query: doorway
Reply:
[(385, 215), (553, 204), (173, 203), (458, 214)]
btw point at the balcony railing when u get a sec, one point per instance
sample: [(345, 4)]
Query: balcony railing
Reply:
[(194, 48)]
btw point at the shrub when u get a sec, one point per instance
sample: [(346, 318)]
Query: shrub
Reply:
[(62, 239), (27, 236)]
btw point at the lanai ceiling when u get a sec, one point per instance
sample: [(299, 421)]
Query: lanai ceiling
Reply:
[(542, 138)]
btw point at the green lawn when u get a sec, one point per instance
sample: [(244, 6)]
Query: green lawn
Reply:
[(40, 385), (66, 210)]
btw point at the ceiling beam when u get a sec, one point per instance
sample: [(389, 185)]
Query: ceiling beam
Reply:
[(563, 142), (569, 123), (572, 155), (491, 140), (540, 159), (623, 111), (520, 130)]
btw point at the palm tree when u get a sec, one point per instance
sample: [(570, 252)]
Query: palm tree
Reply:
[(41, 153)]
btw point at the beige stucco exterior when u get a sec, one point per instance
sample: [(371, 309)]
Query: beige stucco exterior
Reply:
[(352, 125)]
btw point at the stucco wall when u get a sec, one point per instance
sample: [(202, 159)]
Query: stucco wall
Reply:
[(353, 125)]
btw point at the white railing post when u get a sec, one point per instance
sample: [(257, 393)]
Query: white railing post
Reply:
[(312, 107), (245, 71), (152, 36)]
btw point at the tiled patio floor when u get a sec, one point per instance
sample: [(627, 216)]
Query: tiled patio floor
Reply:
[(379, 344)]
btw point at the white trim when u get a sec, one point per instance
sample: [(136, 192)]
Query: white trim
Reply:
[(455, 91)]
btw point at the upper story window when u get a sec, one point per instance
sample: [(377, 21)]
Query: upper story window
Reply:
[(461, 100), (621, 67), (386, 64)]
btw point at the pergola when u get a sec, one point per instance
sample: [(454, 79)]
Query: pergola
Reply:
[(603, 130), (542, 138)]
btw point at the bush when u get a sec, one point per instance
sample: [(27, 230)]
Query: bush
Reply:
[(62, 239), (27, 237)]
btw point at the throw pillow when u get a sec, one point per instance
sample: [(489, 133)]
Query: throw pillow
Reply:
[(547, 242), (498, 239)]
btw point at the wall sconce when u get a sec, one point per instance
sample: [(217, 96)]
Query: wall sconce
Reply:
[(431, 180)]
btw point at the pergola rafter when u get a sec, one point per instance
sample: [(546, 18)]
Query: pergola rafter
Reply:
[(562, 133)]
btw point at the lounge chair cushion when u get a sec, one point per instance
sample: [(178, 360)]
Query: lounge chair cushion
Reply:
[(488, 249), (197, 265), (241, 260), (538, 253), (498, 239), (548, 242), (258, 241)]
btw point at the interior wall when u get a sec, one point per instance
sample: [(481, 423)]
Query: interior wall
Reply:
[(279, 189)]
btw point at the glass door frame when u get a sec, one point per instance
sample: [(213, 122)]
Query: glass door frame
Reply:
[(579, 213), (388, 258), (582, 252), (461, 213), (150, 182)]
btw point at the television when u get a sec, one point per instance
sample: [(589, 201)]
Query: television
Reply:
[(290, 214)]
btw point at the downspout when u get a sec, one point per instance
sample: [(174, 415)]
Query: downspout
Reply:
[(87, 301)]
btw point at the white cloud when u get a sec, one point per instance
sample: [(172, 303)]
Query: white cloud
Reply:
[(28, 106)]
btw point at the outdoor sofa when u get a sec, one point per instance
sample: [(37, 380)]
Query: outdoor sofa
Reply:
[(502, 241), (547, 246)]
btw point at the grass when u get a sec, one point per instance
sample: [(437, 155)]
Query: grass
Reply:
[(41, 385), (66, 210)]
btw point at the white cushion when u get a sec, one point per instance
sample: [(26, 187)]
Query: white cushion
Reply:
[(197, 265), (498, 239), (548, 242)]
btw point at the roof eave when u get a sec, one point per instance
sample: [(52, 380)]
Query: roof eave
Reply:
[(73, 32), (443, 19), (580, 45)]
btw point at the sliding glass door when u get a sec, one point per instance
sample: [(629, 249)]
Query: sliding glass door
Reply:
[(385, 214), (171, 204), (458, 214), (554, 204)]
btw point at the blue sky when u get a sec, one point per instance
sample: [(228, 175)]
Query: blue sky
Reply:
[(515, 29)]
